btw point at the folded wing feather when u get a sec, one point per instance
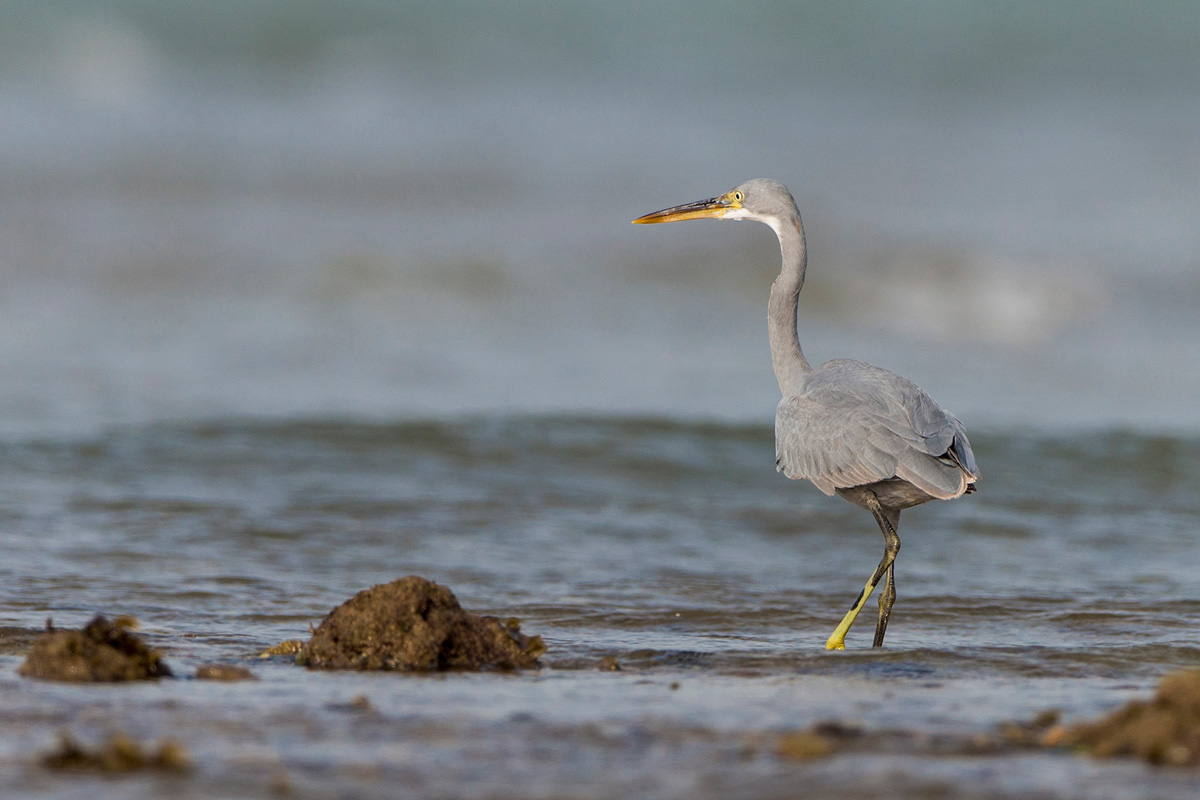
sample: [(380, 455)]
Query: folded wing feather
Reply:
[(856, 424)]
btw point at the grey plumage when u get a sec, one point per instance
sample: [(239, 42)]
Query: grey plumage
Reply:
[(869, 435), (854, 424)]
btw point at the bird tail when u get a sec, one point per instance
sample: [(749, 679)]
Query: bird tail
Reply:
[(967, 464)]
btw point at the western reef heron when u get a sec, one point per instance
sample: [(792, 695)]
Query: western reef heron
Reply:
[(869, 435)]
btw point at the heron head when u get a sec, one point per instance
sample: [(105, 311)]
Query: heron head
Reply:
[(761, 199)]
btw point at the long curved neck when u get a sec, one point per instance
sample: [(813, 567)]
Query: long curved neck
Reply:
[(786, 355)]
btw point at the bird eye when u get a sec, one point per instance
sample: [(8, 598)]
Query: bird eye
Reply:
[(738, 197)]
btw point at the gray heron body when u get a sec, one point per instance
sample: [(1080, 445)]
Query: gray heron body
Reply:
[(853, 429)]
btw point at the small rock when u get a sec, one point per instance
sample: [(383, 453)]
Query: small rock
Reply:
[(102, 651), (224, 672), (803, 746), (1164, 730), (413, 624)]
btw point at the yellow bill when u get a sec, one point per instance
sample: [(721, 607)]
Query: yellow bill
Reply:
[(704, 209)]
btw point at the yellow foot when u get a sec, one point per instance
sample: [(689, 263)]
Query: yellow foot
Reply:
[(837, 639)]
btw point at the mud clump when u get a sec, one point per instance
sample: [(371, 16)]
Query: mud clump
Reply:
[(413, 624), (120, 753), (102, 651), (1164, 730)]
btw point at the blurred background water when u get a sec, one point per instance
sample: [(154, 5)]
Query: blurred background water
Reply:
[(391, 210), (296, 297)]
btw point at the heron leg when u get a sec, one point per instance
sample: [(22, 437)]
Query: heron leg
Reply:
[(887, 520), (886, 598)]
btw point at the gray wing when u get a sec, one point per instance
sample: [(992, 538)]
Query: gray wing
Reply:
[(856, 424)]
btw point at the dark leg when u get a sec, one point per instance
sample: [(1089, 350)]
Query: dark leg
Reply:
[(888, 521), (886, 598)]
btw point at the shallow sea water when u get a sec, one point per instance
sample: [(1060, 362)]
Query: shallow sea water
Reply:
[(1067, 582)]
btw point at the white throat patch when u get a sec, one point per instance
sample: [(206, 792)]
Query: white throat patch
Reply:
[(741, 213)]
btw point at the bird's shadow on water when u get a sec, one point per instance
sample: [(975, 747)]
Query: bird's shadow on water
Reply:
[(917, 663), (903, 664), (889, 662), (898, 663)]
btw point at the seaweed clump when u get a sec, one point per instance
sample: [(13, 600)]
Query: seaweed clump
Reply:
[(120, 753), (1164, 730), (289, 647), (414, 624), (102, 651)]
